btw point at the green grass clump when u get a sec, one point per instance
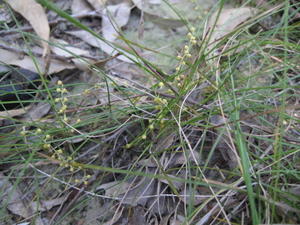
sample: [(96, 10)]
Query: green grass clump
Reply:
[(217, 135)]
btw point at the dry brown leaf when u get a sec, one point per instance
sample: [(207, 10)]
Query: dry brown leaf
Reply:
[(97, 4), (224, 145), (138, 217), (13, 199), (137, 195), (159, 11), (131, 194), (191, 196), (150, 162), (228, 20), (35, 15), (62, 48), (115, 188), (178, 220), (36, 112), (113, 18), (13, 112), (96, 42), (46, 205), (80, 7), (167, 220), (115, 218), (87, 37), (5, 16), (164, 142), (175, 183), (26, 62), (182, 158)]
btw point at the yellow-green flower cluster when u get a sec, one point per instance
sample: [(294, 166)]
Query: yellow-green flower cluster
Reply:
[(185, 55), (151, 126), (84, 179), (62, 99), (42, 136), (160, 102), (46, 138), (68, 163), (191, 36), (65, 161), (23, 132), (179, 80), (161, 84), (144, 136)]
